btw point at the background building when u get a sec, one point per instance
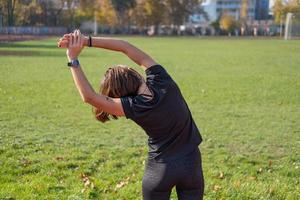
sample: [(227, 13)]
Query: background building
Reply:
[(256, 9), (262, 9)]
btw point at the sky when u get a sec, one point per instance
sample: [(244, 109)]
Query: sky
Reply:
[(271, 3)]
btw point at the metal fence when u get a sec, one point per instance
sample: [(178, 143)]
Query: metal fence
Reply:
[(30, 30)]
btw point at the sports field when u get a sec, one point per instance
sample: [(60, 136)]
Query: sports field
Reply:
[(244, 96)]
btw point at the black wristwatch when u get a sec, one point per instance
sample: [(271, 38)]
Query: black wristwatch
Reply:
[(74, 63)]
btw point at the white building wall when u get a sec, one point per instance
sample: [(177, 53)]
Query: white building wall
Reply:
[(214, 8), (210, 7)]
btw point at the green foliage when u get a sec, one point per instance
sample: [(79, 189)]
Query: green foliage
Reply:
[(292, 6), (227, 23), (242, 22), (149, 13), (28, 14), (244, 10), (179, 10), (170, 12), (107, 13), (112, 13), (7, 8), (123, 5), (280, 9), (124, 11), (87, 9), (243, 94)]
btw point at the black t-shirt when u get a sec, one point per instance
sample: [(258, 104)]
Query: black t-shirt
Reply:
[(164, 116)]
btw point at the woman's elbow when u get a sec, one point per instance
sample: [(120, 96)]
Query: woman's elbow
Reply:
[(86, 99), (125, 47)]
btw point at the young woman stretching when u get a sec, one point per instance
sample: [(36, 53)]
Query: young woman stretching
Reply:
[(157, 105)]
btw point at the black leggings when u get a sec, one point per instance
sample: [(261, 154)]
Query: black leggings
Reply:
[(184, 173)]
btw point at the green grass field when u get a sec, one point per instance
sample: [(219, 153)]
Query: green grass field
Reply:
[(244, 96)]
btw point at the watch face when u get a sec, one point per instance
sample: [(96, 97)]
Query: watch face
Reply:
[(74, 63)]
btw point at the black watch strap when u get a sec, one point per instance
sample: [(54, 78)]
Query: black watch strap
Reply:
[(90, 41)]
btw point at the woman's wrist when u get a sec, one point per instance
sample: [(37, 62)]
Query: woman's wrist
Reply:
[(70, 58), (85, 41)]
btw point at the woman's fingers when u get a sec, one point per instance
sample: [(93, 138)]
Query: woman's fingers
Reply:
[(63, 44), (74, 43), (63, 39), (67, 35), (72, 40), (76, 37), (79, 39)]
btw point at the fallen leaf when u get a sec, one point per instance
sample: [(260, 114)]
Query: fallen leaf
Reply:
[(58, 158), (86, 181), (121, 184), (237, 184), (259, 170), (270, 163), (25, 162), (221, 175), (271, 191), (253, 178), (217, 188)]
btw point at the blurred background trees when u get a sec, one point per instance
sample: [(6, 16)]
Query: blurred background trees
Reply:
[(228, 23), (120, 13), (123, 15), (281, 8)]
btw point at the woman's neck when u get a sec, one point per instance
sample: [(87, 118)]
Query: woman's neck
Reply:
[(143, 89)]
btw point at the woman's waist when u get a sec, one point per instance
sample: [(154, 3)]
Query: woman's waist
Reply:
[(187, 156)]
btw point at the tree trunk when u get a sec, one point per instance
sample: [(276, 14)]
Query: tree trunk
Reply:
[(10, 12), (156, 28)]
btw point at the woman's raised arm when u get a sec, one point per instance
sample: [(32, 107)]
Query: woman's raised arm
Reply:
[(107, 104), (110, 105), (134, 53)]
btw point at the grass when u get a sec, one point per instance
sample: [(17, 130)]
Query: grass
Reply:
[(244, 96)]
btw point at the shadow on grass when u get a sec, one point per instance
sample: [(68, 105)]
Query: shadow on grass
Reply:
[(56, 188), (18, 53), (21, 45), (26, 53), (34, 53)]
